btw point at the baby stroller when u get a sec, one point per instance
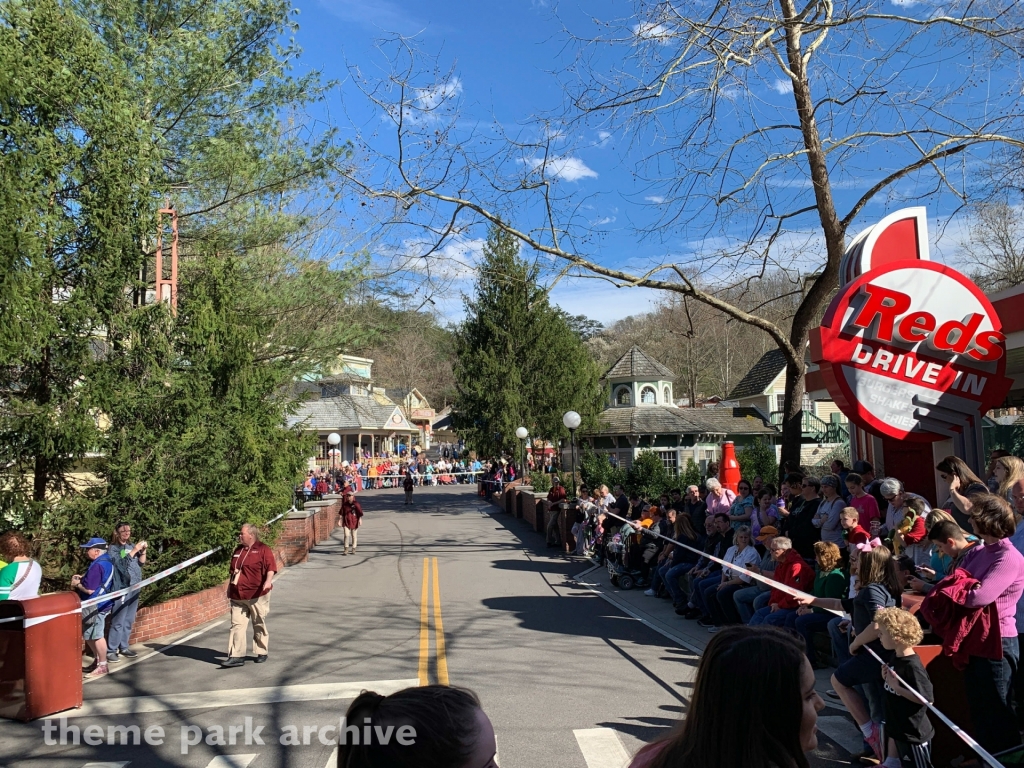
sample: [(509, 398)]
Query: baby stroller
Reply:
[(629, 558)]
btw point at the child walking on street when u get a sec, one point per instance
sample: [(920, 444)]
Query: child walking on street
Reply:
[(408, 484), (908, 728)]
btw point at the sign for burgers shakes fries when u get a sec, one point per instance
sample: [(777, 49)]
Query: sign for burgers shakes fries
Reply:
[(909, 348)]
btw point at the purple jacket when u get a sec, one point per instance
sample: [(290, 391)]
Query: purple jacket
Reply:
[(1000, 569)]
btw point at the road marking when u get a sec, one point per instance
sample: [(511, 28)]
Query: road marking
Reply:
[(601, 748), (843, 732), (106, 765), (332, 761), (135, 705), (424, 628), (231, 761), (442, 659)]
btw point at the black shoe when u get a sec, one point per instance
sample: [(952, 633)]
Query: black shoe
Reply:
[(232, 661), (693, 613), (128, 654), (261, 659), (703, 621), (682, 610)]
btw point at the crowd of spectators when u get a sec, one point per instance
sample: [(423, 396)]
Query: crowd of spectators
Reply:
[(856, 545)]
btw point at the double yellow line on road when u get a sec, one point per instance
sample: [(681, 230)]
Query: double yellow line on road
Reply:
[(442, 659)]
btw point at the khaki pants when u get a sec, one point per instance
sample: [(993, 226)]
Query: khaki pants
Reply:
[(242, 612), (351, 538)]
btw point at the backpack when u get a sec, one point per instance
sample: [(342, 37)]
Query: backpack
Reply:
[(121, 577)]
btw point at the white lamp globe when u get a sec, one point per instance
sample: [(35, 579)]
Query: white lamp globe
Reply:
[(522, 433), (334, 438), (571, 419)]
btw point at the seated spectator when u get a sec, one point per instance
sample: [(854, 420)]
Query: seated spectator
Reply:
[(865, 504), (830, 582), (21, 575), (694, 505), (719, 499), (679, 559), (448, 730), (716, 600), (745, 672), (742, 506), (707, 572), (791, 571), (963, 484), (999, 568), (878, 587), (765, 512), (952, 543), (751, 599)]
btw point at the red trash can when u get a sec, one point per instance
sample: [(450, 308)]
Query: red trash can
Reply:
[(40, 656)]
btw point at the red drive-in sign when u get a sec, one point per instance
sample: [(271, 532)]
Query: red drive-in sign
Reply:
[(913, 350)]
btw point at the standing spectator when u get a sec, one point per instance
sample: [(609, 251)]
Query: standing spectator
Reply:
[(128, 560), (408, 484), (963, 484), (907, 726), (95, 583), (800, 523), (872, 484), (839, 470), (759, 674), (1007, 471), (351, 517), (865, 504), (791, 571), (765, 512), (911, 537), (990, 479), (251, 578), (826, 519), (556, 496), (719, 499), (1000, 569), (855, 534), (1018, 542), (896, 496), (742, 506), (695, 507), (829, 581), (21, 576)]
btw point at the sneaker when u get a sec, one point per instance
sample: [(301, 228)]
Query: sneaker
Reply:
[(713, 629), (128, 653), (705, 622), (100, 671), (875, 741), (693, 613), (113, 658), (650, 593)]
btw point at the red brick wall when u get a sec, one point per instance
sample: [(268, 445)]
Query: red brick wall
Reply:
[(297, 537)]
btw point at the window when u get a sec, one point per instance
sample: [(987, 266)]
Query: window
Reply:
[(622, 396), (670, 460), (648, 396), (780, 401), (625, 459), (668, 396)]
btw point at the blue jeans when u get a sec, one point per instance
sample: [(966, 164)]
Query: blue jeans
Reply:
[(840, 640), (659, 576), (990, 697), (672, 582), (697, 594), (807, 625), (749, 600), (777, 618), (722, 606), (122, 618)]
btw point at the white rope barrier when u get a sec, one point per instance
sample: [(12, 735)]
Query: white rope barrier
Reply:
[(964, 736)]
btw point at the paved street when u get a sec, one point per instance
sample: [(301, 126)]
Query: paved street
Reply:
[(569, 680)]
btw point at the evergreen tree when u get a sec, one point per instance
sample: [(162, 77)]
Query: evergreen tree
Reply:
[(647, 476), (518, 361), (758, 459)]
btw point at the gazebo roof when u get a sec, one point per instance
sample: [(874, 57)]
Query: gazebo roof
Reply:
[(636, 364)]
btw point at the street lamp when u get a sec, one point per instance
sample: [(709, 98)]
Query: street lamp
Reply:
[(522, 433), (572, 420), (334, 438)]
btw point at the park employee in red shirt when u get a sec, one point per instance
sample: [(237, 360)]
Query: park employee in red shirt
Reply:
[(252, 574)]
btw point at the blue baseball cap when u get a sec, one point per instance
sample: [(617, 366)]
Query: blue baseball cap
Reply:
[(93, 543)]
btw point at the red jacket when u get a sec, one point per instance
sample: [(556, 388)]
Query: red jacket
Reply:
[(351, 514), (964, 631), (794, 572)]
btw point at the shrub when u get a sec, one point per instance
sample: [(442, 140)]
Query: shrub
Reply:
[(648, 477), (758, 458)]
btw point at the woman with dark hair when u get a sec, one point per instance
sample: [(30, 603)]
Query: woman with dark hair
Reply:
[(963, 484), (748, 670), (434, 726)]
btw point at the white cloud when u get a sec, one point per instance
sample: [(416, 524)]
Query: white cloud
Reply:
[(602, 302), (431, 98), (605, 220), (567, 168), (649, 30), (782, 87), (656, 199)]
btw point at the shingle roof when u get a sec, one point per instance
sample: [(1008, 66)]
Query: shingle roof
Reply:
[(347, 412), (668, 420), (763, 373), (637, 364)]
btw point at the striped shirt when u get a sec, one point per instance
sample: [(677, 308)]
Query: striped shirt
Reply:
[(27, 574)]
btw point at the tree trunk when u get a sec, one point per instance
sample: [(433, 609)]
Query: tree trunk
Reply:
[(792, 419)]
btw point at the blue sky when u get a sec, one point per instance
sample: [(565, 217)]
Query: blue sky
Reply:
[(503, 55)]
